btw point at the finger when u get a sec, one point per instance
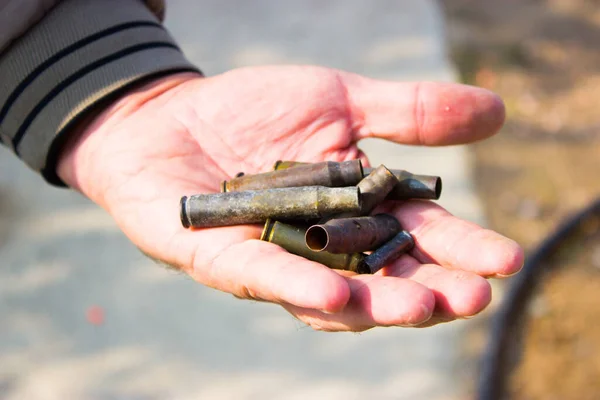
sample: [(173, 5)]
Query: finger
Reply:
[(458, 294), (422, 113), (441, 238), (259, 270), (374, 301), (231, 259)]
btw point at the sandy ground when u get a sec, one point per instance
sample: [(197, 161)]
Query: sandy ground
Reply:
[(542, 57)]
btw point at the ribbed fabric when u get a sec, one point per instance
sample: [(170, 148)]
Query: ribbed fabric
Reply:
[(82, 53), (17, 16)]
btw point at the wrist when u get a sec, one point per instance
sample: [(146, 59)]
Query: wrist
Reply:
[(76, 158)]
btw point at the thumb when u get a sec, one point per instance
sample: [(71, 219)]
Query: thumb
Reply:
[(422, 113)]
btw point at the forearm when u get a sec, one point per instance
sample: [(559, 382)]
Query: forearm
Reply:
[(81, 57)]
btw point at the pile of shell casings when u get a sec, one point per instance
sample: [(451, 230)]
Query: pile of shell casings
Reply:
[(319, 211)]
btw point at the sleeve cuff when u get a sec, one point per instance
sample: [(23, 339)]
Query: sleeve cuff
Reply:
[(82, 54)]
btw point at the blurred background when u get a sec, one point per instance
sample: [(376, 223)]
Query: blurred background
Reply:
[(543, 58), (84, 315)]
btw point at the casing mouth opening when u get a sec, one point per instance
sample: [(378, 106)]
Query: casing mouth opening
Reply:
[(316, 238)]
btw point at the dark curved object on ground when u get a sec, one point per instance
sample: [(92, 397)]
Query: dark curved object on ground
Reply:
[(507, 324)]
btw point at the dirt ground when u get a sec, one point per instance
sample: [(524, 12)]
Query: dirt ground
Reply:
[(543, 58), (561, 358)]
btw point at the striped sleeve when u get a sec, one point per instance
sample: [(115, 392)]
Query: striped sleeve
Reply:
[(81, 55)]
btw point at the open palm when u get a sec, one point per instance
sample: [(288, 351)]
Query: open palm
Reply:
[(185, 134)]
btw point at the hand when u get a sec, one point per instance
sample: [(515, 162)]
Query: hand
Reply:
[(185, 134)]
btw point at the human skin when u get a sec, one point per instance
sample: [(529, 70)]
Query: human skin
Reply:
[(184, 134)]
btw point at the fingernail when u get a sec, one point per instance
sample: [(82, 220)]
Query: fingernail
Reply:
[(501, 276), (426, 314), (330, 312)]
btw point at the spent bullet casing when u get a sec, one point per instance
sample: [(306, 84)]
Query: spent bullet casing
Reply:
[(409, 186), (291, 238), (347, 235), (373, 190), (327, 173), (375, 187), (255, 206), (400, 244)]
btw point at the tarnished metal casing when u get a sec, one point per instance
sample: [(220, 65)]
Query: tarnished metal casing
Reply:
[(255, 206), (375, 187), (328, 173), (411, 186), (346, 235), (400, 244), (291, 238)]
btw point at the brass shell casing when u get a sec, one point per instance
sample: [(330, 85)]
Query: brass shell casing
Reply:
[(255, 206), (400, 244), (375, 187), (328, 173), (346, 235), (291, 238), (410, 186)]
